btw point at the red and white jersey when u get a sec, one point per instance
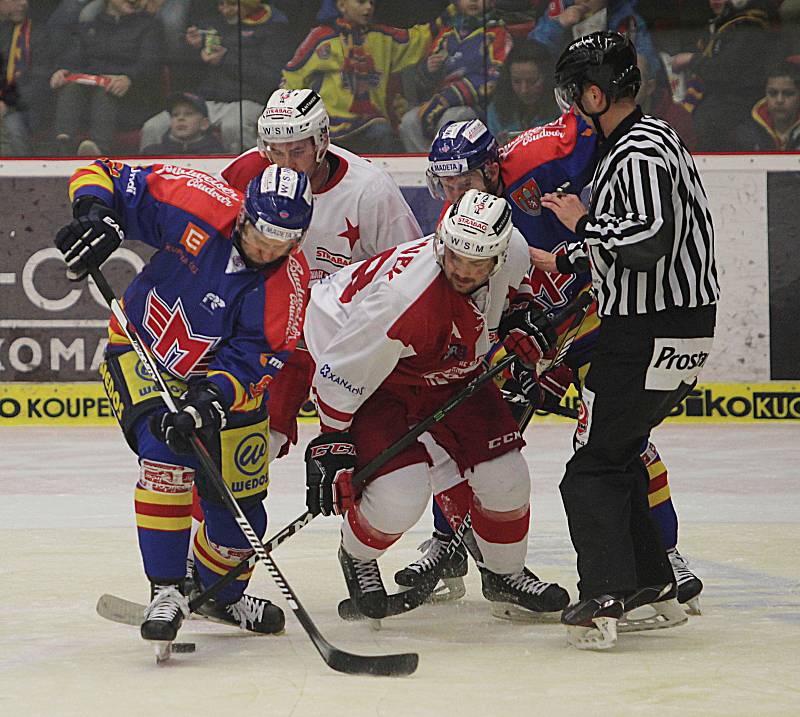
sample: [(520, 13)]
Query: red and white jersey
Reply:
[(359, 213), (395, 318)]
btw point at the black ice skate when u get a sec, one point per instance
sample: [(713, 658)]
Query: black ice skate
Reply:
[(164, 616), (660, 609), (451, 570), (249, 613), (689, 585), (363, 578), (592, 623), (522, 589)]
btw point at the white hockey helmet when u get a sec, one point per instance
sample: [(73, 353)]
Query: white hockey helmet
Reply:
[(291, 115), (477, 226)]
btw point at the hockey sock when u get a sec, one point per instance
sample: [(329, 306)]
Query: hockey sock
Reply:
[(220, 545), (163, 503), (658, 495)]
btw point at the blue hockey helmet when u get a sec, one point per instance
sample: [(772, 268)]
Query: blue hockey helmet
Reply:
[(278, 203), (458, 148)]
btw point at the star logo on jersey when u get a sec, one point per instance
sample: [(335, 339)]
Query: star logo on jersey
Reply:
[(352, 233), (528, 197)]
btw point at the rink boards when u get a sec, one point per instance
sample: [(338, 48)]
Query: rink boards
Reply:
[(86, 404)]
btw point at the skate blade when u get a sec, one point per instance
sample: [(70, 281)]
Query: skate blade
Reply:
[(668, 613), (601, 636), (163, 651), (692, 606), (448, 589), (514, 613)]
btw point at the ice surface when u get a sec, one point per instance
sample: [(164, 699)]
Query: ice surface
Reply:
[(67, 535)]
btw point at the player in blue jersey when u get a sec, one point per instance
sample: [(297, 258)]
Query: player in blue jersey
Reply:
[(220, 305), (559, 156)]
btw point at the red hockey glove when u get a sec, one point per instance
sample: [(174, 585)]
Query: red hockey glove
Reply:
[(526, 331), (330, 463)]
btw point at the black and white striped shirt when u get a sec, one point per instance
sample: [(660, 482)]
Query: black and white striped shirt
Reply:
[(649, 233)]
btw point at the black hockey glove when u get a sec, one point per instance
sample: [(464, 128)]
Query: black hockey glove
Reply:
[(202, 407), (88, 240), (527, 383), (526, 332), (330, 463)]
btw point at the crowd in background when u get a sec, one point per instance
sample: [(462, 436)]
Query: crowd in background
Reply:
[(190, 77)]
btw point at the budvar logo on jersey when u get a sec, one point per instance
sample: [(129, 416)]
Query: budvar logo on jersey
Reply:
[(251, 454)]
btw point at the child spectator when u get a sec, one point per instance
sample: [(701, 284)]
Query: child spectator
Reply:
[(456, 71), (350, 62), (188, 132), (726, 76), (523, 96), (774, 125), (220, 77), (23, 74), (108, 57)]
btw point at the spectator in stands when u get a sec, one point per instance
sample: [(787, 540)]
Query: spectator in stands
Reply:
[(350, 62), (189, 129), (108, 56), (24, 69), (391, 12), (655, 98), (523, 96), (774, 124), (455, 75), (726, 77), (213, 53), (567, 20)]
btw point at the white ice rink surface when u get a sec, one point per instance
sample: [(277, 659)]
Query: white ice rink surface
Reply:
[(67, 535)]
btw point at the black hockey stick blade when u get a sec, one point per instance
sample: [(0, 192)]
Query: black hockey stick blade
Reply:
[(397, 665)]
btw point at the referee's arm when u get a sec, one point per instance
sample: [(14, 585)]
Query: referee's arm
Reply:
[(643, 230)]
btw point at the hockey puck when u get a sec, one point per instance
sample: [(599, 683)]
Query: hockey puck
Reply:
[(183, 647)]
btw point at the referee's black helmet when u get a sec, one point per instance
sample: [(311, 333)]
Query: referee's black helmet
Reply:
[(606, 59)]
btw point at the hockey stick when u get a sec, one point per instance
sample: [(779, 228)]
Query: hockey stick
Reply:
[(577, 307), (339, 660), (407, 600)]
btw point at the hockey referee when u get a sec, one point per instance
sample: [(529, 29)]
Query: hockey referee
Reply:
[(649, 238)]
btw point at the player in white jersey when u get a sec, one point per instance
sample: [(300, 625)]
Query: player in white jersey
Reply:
[(358, 212), (393, 338)]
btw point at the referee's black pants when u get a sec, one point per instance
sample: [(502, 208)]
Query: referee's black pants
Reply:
[(604, 488)]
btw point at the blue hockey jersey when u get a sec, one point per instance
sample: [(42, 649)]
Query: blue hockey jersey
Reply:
[(541, 160), (196, 305)]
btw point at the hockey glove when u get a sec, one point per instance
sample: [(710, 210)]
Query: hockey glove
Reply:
[(526, 332), (330, 463), (87, 241), (527, 383), (202, 407), (555, 384)]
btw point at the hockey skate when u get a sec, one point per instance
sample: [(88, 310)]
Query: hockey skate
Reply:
[(164, 616), (508, 593), (364, 583), (659, 609), (451, 570), (249, 613), (592, 623), (689, 585)]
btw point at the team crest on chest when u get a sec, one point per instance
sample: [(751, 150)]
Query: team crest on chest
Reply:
[(528, 197)]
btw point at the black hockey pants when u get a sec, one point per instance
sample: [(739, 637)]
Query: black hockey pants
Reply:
[(604, 488)]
